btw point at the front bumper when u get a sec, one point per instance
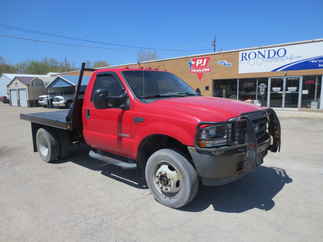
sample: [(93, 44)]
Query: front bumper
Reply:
[(59, 104), (221, 166)]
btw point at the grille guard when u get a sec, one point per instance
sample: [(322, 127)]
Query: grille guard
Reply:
[(274, 130)]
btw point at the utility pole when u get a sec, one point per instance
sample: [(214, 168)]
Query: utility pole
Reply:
[(213, 44)]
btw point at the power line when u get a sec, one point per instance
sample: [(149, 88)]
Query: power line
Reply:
[(52, 42), (91, 41)]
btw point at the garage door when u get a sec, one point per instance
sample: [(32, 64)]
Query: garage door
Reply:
[(14, 97), (23, 97)]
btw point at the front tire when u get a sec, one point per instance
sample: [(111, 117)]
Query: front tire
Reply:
[(47, 145), (171, 178)]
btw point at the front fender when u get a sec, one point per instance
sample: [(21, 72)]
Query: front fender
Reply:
[(183, 134)]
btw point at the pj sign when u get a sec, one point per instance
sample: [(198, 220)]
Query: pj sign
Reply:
[(199, 65)]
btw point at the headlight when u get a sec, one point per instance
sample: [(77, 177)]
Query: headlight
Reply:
[(214, 135)]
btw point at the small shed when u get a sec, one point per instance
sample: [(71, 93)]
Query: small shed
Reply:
[(24, 91), (65, 85)]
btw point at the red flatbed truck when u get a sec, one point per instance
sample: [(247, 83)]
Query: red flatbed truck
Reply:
[(152, 121)]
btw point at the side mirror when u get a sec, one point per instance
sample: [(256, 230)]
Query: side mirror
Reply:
[(118, 101), (100, 98), (198, 91)]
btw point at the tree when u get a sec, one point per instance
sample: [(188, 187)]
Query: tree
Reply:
[(101, 63), (5, 67), (44, 66), (146, 55)]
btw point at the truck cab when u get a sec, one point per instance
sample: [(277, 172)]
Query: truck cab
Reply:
[(154, 122)]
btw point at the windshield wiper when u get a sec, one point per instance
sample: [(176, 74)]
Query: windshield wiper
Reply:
[(170, 94), (184, 94)]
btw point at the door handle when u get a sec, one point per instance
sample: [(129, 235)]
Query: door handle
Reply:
[(87, 114)]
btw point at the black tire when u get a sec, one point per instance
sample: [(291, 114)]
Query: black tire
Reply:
[(47, 145), (189, 179)]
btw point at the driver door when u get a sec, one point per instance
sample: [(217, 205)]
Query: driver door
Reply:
[(103, 126)]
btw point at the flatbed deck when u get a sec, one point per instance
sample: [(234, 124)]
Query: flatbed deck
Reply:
[(56, 119)]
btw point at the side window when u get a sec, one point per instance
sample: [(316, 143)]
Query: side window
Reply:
[(108, 82)]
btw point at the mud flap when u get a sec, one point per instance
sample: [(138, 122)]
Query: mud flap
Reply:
[(274, 130)]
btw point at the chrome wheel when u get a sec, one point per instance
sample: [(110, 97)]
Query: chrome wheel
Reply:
[(167, 179)]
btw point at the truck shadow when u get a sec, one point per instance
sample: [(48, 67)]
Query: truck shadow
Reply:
[(256, 190), (127, 176)]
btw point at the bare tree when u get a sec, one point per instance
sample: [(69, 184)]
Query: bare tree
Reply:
[(101, 63), (146, 55)]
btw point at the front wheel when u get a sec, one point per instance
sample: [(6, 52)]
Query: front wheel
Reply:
[(171, 178)]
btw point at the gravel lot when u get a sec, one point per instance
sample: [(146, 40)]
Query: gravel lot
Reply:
[(82, 200)]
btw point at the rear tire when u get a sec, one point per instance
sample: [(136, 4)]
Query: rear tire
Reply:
[(47, 145), (166, 167)]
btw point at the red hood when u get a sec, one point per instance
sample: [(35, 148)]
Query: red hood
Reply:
[(206, 109)]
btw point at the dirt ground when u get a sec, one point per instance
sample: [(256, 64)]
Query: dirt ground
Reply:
[(85, 200)]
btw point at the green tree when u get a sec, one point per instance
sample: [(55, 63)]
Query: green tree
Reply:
[(5, 67), (44, 66)]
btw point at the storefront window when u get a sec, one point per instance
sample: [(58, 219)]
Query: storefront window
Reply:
[(311, 91), (254, 91), (225, 88)]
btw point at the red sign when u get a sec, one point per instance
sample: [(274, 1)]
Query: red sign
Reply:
[(199, 65)]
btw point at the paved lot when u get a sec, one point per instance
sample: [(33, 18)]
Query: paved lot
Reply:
[(78, 200)]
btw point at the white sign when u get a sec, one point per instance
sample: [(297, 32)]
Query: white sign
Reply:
[(284, 58), (276, 89)]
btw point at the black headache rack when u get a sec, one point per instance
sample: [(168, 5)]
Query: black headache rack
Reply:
[(252, 138), (65, 119), (74, 117)]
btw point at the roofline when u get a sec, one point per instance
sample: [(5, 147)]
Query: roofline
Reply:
[(33, 78), (59, 76), (210, 53)]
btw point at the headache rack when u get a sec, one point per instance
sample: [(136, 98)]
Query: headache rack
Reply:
[(74, 116)]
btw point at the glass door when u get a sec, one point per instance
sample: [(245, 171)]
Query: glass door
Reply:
[(291, 92), (276, 92)]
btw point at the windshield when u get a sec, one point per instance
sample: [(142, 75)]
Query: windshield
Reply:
[(157, 84)]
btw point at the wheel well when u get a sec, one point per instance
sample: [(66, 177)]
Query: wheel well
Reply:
[(64, 138), (156, 142)]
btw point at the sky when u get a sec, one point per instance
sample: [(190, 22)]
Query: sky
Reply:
[(170, 28)]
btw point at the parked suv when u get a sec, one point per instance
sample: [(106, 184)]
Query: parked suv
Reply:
[(65, 101)]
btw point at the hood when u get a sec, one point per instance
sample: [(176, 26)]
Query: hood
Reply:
[(203, 109)]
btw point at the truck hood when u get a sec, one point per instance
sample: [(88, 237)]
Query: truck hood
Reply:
[(208, 109)]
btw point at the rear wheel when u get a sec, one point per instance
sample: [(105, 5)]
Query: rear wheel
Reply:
[(47, 145), (171, 178)]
